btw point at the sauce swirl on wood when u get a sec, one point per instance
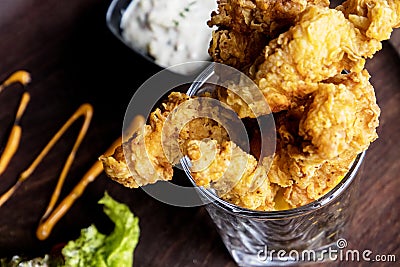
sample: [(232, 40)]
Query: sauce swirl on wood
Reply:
[(85, 110), (49, 220), (53, 214), (14, 137), (21, 76)]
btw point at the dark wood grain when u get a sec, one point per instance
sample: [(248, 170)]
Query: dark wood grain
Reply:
[(74, 59)]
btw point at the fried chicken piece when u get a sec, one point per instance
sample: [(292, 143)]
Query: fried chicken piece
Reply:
[(241, 94), (319, 46), (116, 168), (236, 49), (146, 161), (290, 164), (234, 174), (324, 179), (245, 27), (151, 152), (264, 16), (253, 185), (322, 44), (342, 117), (375, 18), (303, 177)]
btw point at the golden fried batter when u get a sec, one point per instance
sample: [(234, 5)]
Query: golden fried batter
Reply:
[(146, 162), (375, 18), (325, 177), (236, 49), (343, 116), (233, 173), (264, 16), (145, 158), (321, 45), (245, 27), (116, 168)]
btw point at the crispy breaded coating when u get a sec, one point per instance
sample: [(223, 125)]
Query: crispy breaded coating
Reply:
[(321, 45), (234, 174), (146, 158), (236, 49), (264, 16), (302, 176), (116, 168), (375, 18), (245, 27), (343, 116), (319, 139), (324, 179), (255, 186)]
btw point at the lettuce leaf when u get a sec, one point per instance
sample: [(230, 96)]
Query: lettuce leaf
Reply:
[(93, 248)]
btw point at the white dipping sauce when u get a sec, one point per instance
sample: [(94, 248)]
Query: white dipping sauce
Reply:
[(170, 31)]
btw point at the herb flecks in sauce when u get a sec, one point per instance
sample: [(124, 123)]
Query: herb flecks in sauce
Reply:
[(186, 10), (175, 31)]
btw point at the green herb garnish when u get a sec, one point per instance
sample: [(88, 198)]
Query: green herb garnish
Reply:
[(183, 13)]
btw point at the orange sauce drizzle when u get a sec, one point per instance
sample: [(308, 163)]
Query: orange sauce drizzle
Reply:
[(53, 215), (15, 136), (23, 77), (48, 222), (85, 110)]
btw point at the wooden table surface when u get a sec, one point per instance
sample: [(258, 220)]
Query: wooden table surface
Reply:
[(74, 59)]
